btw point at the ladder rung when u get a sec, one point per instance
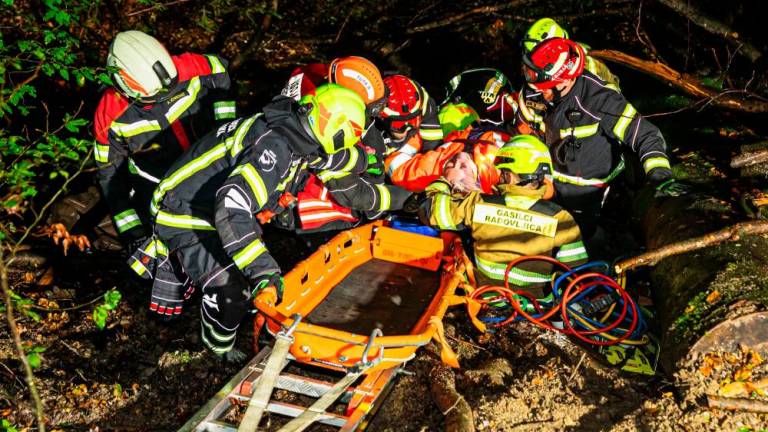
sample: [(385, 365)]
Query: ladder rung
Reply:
[(219, 426), (291, 410)]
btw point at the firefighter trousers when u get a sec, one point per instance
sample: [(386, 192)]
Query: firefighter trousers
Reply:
[(225, 291)]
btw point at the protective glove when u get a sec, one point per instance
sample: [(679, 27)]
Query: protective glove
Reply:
[(232, 356), (265, 281), (375, 163), (672, 188)]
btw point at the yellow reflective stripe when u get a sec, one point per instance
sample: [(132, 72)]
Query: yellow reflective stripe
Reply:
[(183, 221), (216, 65), (516, 276), (326, 175), (224, 110), (291, 174), (656, 162), (126, 220), (431, 134), (443, 212), (572, 252), (138, 267), (580, 131), (101, 153), (249, 253), (613, 87), (185, 172), (132, 129), (183, 104), (354, 155), (385, 199), (519, 201), (598, 182), (235, 142), (624, 121), (255, 181)]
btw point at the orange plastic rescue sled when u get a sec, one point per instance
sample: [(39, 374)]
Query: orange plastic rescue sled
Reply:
[(313, 280)]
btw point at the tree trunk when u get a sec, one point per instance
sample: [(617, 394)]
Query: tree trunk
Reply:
[(697, 290)]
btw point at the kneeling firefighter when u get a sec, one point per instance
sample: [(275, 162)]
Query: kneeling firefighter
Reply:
[(207, 205), (515, 221)]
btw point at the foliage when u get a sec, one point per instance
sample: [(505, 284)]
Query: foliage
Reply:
[(41, 142), (6, 426), (101, 312), (33, 356)]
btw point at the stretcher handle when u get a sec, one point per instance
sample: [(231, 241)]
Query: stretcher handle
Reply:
[(376, 332), (289, 330)]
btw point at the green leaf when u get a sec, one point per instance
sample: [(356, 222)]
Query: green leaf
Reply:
[(714, 83), (34, 360), (64, 73), (112, 298), (100, 316), (10, 203), (53, 175)]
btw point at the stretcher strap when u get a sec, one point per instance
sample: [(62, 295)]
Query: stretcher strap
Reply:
[(322, 404), (447, 355), (266, 383)]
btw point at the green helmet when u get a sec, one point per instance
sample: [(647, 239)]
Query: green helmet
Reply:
[(456, 117), (542, 29), (336, 116), (526, 156)]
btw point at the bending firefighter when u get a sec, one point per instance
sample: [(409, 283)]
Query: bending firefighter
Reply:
[(515, 222), (208, 206), (589, 127), (159, 106)]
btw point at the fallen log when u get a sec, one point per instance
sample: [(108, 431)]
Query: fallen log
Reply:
[(685, 82), (714, 284), (737, 404)]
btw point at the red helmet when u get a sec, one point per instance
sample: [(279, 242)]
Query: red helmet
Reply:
[(405, 103), (553, 61)]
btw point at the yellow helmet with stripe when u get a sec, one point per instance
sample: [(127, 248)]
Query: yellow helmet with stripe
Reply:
[(526, 156)]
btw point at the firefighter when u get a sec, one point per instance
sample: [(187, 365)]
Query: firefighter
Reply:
[(415, 150), (207, 206), (334, 200), (586, 125), (487, 91), (159, 106), (547, 28), (515, 221)]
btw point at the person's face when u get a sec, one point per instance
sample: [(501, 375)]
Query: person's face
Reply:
[(461, 173), (563, 88)]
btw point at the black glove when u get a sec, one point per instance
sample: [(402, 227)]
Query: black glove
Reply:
[(269, 280), (134, 238), (672, 188)]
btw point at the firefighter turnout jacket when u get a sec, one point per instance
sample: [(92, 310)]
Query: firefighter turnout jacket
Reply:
[(586, 130), (206, 208), (516, 222), (136, 143)]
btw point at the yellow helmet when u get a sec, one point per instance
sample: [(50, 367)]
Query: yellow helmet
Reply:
[(543, 29), (336, 116), (456, 117), (526, 156)]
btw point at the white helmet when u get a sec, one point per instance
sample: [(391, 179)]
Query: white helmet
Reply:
[(145, 66)]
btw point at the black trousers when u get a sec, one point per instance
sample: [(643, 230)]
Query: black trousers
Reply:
[(584, 203), (226, 292)]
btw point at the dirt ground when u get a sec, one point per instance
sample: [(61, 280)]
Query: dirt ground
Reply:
[(141, 374)]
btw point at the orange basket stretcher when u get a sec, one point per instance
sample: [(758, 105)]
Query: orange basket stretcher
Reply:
[(310, 332), (312, 280)]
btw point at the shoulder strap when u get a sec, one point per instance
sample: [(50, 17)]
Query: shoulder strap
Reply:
[(546, 207), (493, 199)]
